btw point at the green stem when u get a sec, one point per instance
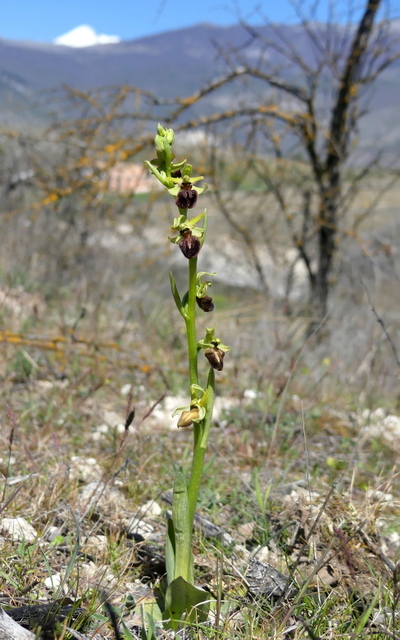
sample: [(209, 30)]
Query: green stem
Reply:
[(191, 322), (201, 433), (201, 430)]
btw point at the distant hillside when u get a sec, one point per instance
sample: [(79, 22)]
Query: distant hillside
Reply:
[(171, 64)]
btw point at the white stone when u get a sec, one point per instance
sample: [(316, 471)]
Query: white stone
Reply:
[(8, 460), (87, 469), (98, 575), (150, 508), (92, 493), (140, 527), (262, 554), (112, 418), (375, 494), (102, 428), (391, 424), (126, 389), (394, 538), (164, 417), (45, 385), (377, 425), (170, 403), (18, 529), (297, 403), (223, 403), (124, 229), (98, 543), (52, 532), (99, 494), (250, 394), (53, 582), (163, 414)]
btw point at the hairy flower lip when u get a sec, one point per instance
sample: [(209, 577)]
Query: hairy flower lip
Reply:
[(205, 303), (190, 244), (186, 198), (215, 357)]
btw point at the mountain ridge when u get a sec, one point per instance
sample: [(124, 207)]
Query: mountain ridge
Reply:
[(169, 64)]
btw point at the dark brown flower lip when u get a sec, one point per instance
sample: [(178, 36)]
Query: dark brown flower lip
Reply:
[(190, 244), (205, 303), (187, 197), (215, 357)]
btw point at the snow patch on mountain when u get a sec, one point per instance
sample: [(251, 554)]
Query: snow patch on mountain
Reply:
[(84, 36)]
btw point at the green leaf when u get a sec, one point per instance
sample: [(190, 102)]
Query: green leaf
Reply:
[(170, 551), (365, 616), (182, 528), (167, 182), (205, 224), (150, 614), (185, 601), (177, 297), (209, 395), (185, 305)]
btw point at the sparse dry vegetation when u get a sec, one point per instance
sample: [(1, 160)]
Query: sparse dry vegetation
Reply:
[(302, 471), (298, 527)]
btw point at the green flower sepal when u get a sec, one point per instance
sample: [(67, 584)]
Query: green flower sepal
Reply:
[(201, 287), (214, 350), (211, 341), (182, 223), (186, 180), (161, 174), (180, 183)]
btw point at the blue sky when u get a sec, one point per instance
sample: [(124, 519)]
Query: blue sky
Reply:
[(44, 20)]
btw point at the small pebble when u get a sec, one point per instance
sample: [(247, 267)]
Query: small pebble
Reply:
[(18, 529)]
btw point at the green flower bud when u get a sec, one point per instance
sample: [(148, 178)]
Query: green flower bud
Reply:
[(170, 135), (159, 144)]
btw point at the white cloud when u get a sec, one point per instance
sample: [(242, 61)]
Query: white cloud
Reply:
[(84, 36)]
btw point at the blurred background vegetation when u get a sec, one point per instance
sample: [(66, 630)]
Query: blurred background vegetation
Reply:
[(303, 208), (295, 129)]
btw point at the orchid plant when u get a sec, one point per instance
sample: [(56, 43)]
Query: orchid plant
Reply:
[(183, 600)]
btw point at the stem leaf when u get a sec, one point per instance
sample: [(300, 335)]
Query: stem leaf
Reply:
[(170, 550), (183, 599), (165, 180), (182, 529), (210, 393), (176, 296)]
